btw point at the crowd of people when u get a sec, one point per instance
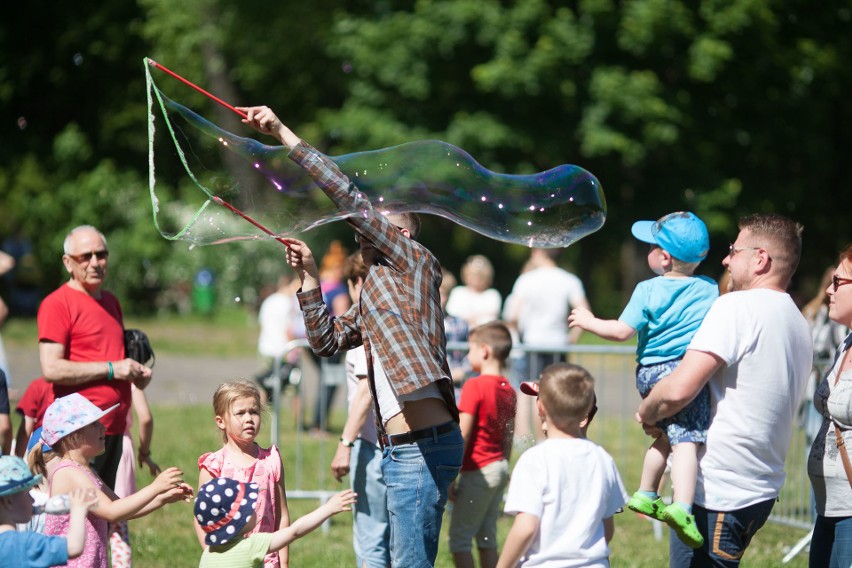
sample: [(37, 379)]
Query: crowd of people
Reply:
[(721, 379)]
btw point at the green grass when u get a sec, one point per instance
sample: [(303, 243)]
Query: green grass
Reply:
[(166, 537)]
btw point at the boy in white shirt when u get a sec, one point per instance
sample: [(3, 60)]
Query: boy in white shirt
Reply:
[(565, 490)]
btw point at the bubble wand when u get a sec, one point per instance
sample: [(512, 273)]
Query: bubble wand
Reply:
[(216, 199)]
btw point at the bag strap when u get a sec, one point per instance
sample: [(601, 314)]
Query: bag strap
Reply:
[(841, 443)]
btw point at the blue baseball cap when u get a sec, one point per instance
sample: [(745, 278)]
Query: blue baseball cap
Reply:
[(682, 234)]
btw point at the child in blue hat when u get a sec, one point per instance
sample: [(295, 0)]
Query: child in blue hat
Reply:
[(666, 311), (224, 509), (27, 549)]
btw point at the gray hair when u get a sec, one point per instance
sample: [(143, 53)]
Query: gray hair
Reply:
[(66, 246)]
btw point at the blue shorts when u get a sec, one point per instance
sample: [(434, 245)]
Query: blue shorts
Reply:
[(692, 422)]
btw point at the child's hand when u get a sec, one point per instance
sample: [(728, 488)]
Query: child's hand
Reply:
[(85, 499), (168, 480), (580, 317), (452, 491), (340, 502), (181, 492)]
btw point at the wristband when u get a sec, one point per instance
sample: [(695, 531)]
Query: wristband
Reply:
[(346, 443), (111, 373)]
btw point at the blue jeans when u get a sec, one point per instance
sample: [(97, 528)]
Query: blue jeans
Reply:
[(831, 544), (370, 527), (726, 534), (417, 476)]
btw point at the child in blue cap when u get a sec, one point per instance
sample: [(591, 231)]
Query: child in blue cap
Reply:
[(666, 311), (224, 509), (27, 549)]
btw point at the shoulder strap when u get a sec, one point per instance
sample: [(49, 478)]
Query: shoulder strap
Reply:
[(841, 443)]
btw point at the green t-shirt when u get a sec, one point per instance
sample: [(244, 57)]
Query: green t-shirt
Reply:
[(243, 553)]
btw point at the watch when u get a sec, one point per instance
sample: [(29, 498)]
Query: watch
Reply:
[(346, 442)]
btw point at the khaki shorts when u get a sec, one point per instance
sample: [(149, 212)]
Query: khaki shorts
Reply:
[(478, 506)]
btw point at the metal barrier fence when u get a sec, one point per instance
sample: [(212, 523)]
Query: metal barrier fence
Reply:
[(612, 366)]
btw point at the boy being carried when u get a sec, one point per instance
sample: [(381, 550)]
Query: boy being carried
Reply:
[(666, 311), (487, 417), (565, 490)]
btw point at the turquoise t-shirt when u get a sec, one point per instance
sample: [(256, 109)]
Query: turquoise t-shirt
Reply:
[(666, 313), (247, 551)]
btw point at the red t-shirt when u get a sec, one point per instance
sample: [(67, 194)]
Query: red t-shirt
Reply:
[(492, 400), (37, 397), (90, 330)]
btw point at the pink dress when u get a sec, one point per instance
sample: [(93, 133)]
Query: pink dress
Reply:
[(95, 550), (266, 472)]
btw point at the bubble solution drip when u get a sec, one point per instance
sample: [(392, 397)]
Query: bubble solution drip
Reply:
[(553, 208)]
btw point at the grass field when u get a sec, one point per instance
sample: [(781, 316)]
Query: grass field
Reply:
[(166, 537)]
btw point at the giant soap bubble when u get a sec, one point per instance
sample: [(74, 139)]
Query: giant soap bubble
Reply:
[(553, 208)]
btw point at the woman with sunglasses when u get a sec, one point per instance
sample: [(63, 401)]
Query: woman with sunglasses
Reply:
[(829, 467)]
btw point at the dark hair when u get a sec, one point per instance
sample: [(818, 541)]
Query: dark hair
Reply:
[(496, 335), (567, 392)]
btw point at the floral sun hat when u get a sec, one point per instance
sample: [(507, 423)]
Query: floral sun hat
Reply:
[(68, 414)]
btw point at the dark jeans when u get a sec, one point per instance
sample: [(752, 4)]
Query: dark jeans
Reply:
[(106, 464), (831, 544), (726, 534)]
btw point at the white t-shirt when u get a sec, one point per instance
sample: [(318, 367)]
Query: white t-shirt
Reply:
[(766, 346), (481, 307), (356, 367), (544, 297), (571, 485), (276, 316)]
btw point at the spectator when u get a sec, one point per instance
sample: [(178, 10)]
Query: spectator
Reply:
[(487, 420), (280, 322), (81, 342), (476, 302), (370, 526), (828, 464), (564, 491), (31, 407), (456, 330), (754, 351)]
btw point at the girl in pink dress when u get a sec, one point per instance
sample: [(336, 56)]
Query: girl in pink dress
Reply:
[(72, 429), (237, 407)]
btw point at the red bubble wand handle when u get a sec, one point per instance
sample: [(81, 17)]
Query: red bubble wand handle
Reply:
[(217, 199), (156, 65), (227, 205)]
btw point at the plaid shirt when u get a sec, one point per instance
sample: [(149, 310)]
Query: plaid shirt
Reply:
[(399, 310)]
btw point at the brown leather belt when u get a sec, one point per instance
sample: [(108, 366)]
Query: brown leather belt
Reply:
[(414, 435)]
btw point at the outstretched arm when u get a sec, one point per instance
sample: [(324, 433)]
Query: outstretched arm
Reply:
[(303, 525), (613, 330)]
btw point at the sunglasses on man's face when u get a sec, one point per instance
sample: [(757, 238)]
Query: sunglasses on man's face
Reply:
[(85, 258)]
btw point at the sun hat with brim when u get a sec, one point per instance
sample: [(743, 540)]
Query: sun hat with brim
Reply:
[(35, 438), (682, 234), (68, 414), (15, 476), (530, 388), (223, 507)]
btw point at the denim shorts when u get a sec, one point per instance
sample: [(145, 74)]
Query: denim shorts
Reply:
[(692, 422), (726, 534)]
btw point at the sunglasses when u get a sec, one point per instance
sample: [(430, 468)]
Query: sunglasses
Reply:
[(86, 257), (838, 281)]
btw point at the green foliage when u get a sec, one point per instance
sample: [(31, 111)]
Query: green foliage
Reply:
[(724, 107)]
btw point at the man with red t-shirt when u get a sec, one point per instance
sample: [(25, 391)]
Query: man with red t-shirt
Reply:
[(487, 407), (81, 341)]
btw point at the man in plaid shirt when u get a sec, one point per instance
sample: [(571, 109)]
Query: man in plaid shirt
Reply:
[(399, 320)]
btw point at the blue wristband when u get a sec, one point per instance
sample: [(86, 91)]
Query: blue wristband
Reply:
[(111, 373)]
